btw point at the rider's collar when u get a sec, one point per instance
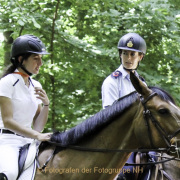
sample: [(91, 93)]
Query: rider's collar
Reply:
[(124, 73)]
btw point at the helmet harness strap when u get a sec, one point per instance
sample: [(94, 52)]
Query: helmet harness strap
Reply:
[(131, 69), (23, 68)]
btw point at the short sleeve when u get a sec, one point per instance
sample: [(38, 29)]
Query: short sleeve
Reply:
[(109, 92), (6, 86)]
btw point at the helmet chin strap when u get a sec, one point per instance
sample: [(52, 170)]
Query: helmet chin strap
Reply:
[(131, 69), (26, 71), (23, 68)]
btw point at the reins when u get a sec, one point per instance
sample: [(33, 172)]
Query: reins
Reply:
[(103, 150), (80, 148)]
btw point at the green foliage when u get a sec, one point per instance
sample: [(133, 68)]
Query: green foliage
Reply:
[(1, 56), (82, 37)]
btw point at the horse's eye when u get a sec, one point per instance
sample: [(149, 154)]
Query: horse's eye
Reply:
[(163, 111)]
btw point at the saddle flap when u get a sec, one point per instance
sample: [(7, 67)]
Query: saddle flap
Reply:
[(22, 157), (30, 155), (26, 156)]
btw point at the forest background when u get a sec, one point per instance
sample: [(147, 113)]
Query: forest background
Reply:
[(82, 37)]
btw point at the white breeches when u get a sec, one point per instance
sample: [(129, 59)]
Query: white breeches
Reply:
[(10, 145)]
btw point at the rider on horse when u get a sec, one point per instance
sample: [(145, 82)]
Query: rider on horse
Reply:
[(21, 99), (132, 49)]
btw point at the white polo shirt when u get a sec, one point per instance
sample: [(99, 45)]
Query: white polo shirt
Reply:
[(24, 101)]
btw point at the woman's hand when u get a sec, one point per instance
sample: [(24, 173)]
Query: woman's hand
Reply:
[(41, 94), (44, 136)]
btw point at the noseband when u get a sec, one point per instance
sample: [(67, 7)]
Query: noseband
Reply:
[(148, 116)]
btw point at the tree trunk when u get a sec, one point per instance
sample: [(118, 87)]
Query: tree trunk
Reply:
[(8, 40)]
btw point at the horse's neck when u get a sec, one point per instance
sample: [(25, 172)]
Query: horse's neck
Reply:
[(118, 134)]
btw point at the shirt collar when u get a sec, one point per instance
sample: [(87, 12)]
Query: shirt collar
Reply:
[(16, 70), (20, 73), (124, 72)]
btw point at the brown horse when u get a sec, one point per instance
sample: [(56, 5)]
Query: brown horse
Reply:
[(121, 126)]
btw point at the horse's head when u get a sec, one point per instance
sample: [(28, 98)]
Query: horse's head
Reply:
[(158, 114)]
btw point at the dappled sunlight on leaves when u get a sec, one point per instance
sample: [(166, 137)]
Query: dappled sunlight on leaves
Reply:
[(83, 41)]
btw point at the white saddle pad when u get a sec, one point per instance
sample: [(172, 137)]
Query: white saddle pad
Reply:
[(29, 168), (29, 173)]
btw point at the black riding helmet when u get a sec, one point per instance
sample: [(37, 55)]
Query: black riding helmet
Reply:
[(26, 44), (132, 42)]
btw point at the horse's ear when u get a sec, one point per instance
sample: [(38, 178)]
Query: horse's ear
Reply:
[(140, 87)]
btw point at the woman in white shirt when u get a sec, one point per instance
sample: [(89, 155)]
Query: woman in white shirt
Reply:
[(24, 104)]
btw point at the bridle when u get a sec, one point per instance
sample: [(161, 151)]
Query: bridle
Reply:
[(147, 116)]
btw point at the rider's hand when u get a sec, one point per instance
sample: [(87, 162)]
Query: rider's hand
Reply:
[(44, 136), (41, 94)]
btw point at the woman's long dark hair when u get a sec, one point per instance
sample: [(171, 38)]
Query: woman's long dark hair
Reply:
[(8, 70), (15, 64)]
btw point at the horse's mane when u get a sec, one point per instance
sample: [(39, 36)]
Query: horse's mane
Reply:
[(102, 118)]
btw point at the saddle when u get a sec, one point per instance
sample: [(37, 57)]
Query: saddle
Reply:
[(27, 156)]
